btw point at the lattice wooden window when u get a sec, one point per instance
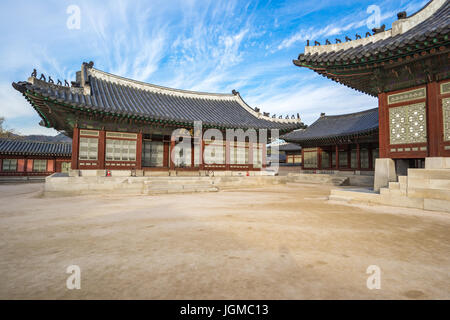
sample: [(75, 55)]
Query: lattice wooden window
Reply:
[(39, 165), (9, 165), (88, 148), (311, 158), (120, 150), (446, 118), (408, 124)]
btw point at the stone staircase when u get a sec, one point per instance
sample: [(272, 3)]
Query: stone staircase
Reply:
[(427, 189), (179, 185), (327, 179)]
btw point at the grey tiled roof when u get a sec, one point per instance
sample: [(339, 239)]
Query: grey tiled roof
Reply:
[(289, 147), (438, 25), (34, 148), (337, 126), (119, 96)]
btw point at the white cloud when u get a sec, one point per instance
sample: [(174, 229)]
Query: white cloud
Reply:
[(312, 99), (13, 104)]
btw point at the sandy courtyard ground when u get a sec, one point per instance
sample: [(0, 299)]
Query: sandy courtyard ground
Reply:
[(269, 243)]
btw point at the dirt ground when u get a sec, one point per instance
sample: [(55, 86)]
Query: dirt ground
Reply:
[(270, 243)]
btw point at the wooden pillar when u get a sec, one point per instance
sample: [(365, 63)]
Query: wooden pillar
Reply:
[(337, 157), (166, 156), (433, 120), (192, 154), (349, 156), (227, 155), (139, 151), (264, 155), (358, 157), (370, 157), (331, 158), (202, 152), (101, 149), (303, 159), (319, 158), (250, 155), (383, 121), (75, 146), (172, 148)]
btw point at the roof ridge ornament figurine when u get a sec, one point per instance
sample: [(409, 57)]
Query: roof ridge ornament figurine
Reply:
[(379, 30), (34, 73), (402, 15)]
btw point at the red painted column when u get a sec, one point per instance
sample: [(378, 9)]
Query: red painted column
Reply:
[(227, 155), (192, 154), (101, 149), (166, 154), (433, 120), (250, 155), (358, 157), (303, 158), (202, 152), (264, 155), (139, 151), (172, 147), (337, 157), (383, 121), (75, 145), (319, 158)]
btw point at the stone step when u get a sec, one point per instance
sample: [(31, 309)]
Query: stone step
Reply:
[(319, 179), (394, 185), (442, 174), (420, 183), (427, 193), (339, 198), (177, 183), (180, 189)]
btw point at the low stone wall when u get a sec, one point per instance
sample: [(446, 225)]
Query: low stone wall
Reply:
[(84, 185)]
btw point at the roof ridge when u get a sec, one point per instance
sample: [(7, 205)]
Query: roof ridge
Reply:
[(349, 114), (141, 84), (398, 27), (34, 141)]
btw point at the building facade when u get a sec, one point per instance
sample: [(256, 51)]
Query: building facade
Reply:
[(339, 143), (32, 158), (122, 124), (407, 68)]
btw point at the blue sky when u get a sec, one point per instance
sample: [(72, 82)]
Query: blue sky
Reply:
[(212, 46)]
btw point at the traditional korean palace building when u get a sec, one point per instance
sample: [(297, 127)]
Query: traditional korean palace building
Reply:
[(407, 68), (345, 142), (32, 158), (292, 154), (122, 124)]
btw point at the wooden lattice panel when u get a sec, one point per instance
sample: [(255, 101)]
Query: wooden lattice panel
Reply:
[(446, 118), (408, 124)]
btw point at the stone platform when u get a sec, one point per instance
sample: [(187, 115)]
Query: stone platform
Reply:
[(427, 189)]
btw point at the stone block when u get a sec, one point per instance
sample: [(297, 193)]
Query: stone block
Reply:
[(384, 173), (436, 205), (437, 163)]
